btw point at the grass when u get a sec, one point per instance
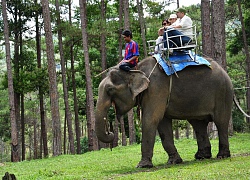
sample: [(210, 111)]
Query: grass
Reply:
[(120, 163)]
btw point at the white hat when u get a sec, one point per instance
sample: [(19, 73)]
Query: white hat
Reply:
[(173, 16)]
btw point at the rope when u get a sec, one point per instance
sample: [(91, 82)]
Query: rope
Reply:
[(153, 69), (102, 72), (170, 89), (107, 70), (238, 106)]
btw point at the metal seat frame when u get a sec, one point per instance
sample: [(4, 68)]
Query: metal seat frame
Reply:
[(168, 50)]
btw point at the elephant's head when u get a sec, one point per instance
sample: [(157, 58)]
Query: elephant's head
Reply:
[(119, 89)]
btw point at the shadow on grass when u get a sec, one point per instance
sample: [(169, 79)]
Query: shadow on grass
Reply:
[(130, 171), (133, 170)]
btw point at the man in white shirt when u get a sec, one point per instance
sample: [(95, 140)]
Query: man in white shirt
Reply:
[(183, 22), (183, 26)]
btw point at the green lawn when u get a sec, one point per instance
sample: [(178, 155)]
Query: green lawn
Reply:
[(120, 163)]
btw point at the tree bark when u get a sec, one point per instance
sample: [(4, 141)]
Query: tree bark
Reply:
[(126, 14), (56, 124), (132, 137), (92, 139), (65, 88), (219, 35), (177, 133), (188, 130), (14, 137), (115, 129), (77, 124), (244, 37), (218, 40), (124, 137), (120, 39), (41, 102), (16, 65), (206, 28), (206, 39), (103, 49), (142, 26), (23, 127), (103, 37), (35, 138)]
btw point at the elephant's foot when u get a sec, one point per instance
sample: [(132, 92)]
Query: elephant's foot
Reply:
[(204, 153), (145, 163), (174, 158), (224, 152)]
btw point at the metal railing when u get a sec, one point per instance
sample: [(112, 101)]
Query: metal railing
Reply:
[(187, 46)]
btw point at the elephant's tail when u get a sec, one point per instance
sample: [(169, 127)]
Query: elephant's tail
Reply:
[(238, 106)]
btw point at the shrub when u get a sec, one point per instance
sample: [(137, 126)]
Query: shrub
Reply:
[(84, 145)]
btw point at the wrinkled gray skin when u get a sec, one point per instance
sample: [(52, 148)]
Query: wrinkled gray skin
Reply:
[(200, 95)]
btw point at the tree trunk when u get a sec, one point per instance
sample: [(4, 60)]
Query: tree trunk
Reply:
[(77, 124), (41, 102), (142, 26), (35, 138), (65, 135), (206, 39), (177, 134), (65, 88), (16, 65), (103, 37), (103, 49), (206, 28), (22, 127), (116, 133), (56, 124), (126, 14), (14, 136), (188, 130), (131, 125), (120, 39), (22, 123), (218, 42), (218, 38), (92, 139), (244, 37), (124, 137)]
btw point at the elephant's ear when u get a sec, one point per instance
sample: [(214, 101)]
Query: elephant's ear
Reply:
[(138, 82)]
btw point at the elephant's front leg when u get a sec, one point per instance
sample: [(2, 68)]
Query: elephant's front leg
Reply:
[(166, 134), (153, 109), (147, 146)]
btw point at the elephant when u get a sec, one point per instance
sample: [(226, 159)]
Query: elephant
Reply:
[(199, 94)]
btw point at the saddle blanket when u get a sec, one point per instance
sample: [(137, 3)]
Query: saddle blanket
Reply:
[(179, 61)]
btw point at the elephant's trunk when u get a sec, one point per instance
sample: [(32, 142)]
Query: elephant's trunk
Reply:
[(101, 125)]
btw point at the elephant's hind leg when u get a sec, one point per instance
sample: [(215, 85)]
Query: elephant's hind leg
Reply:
[(204, 146), (224, 151), (166, 135)]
